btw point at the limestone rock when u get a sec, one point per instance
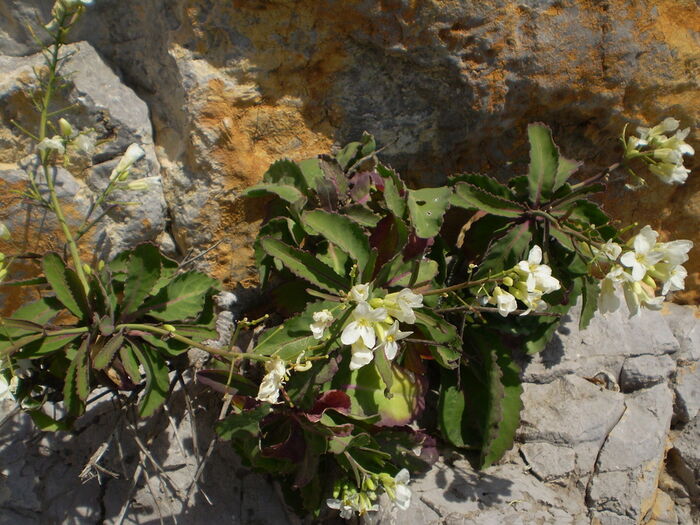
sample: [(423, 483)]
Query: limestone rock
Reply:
[(448, 87), (549, 462), (644, 371), (685, 325), (687, 390), (625, 479)]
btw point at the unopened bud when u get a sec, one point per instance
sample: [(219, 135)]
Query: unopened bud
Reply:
[(4, 232), (137, 185), (369, 484), (65, 128), (87, 269), (377, 302), (169, 328), (648, 280), (101, 265), (508, 281), (3, 273)]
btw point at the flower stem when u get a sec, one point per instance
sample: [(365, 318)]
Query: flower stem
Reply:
[(465, 284)]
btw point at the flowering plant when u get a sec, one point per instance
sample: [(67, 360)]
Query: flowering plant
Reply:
[(392, 314)]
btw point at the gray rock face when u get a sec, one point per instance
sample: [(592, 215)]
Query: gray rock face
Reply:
[(629, 462), (687, 390), (101, 101), (644, 371)]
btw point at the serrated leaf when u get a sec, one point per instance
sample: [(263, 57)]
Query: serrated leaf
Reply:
[(543, 162), (82, 371), (426, 208), (182, 298), (565, 169), (106, 354), (285, 192), (435, 328), (342, 232), (47, 423), (590, 292), (71, 401), (37, 312), (287, 173), (294, 336), (311, 171), (362, 215), (130, 363), (471, 197), (157, 381), (394, 191), (66, 285), (348, 154), (45, 345), (334, 175), (485, 183), (505, 251), (305, 266), (403, 272), (143, 272), (243, 424), (503, 418), (451, 409)]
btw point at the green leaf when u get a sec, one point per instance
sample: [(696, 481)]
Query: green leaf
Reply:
[(427, 208), (470, 196), (506, 251), (130, 363), (342, 232), (311, 171), (543, 162), (157, 382), (591, 290), (143, 273), (47, 423), (305, 266), (435, 328), (182, 298), (106, 354), (284, 191), (286, 173), (290, 339), (362, 215), (503, 417), (403, 272), (82, 371), (485, 183), (565, 169), (37, 312), (71, 400), (394, 189), (243, 424), (66, 285), (46, 345), (451, 409)]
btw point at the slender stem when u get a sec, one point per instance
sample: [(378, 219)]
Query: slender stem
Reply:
[(162, 331), (492, 309), (465, 284), (595, 178), (44, 155)]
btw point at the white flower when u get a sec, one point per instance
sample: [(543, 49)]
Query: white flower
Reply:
[(132, 154), (397, 488), (361, 327), (643, 257), (608, 251), (322, 320), (273, 380), (359, 293), (675, 280), (674, 252), (388, 339), (5, 392), (504, 301), (361, 355), (401, 305), (52, 144), (538, 276), (639, 294), (85, 142), (608, 298), (346, 510), (670, 173)]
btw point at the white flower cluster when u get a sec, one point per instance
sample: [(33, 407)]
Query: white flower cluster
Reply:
[(666, 159), (348, 500), (272, 382), (374, 323), (528, 281), (644, 265)]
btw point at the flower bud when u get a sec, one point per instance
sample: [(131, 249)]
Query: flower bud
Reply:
[(132, 154), (4, 232), (3, 273), (508, 281), (65, 128), (649, 281), (169, 328), (101, 265), (376, 302), (87, 269), (137, 185)]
